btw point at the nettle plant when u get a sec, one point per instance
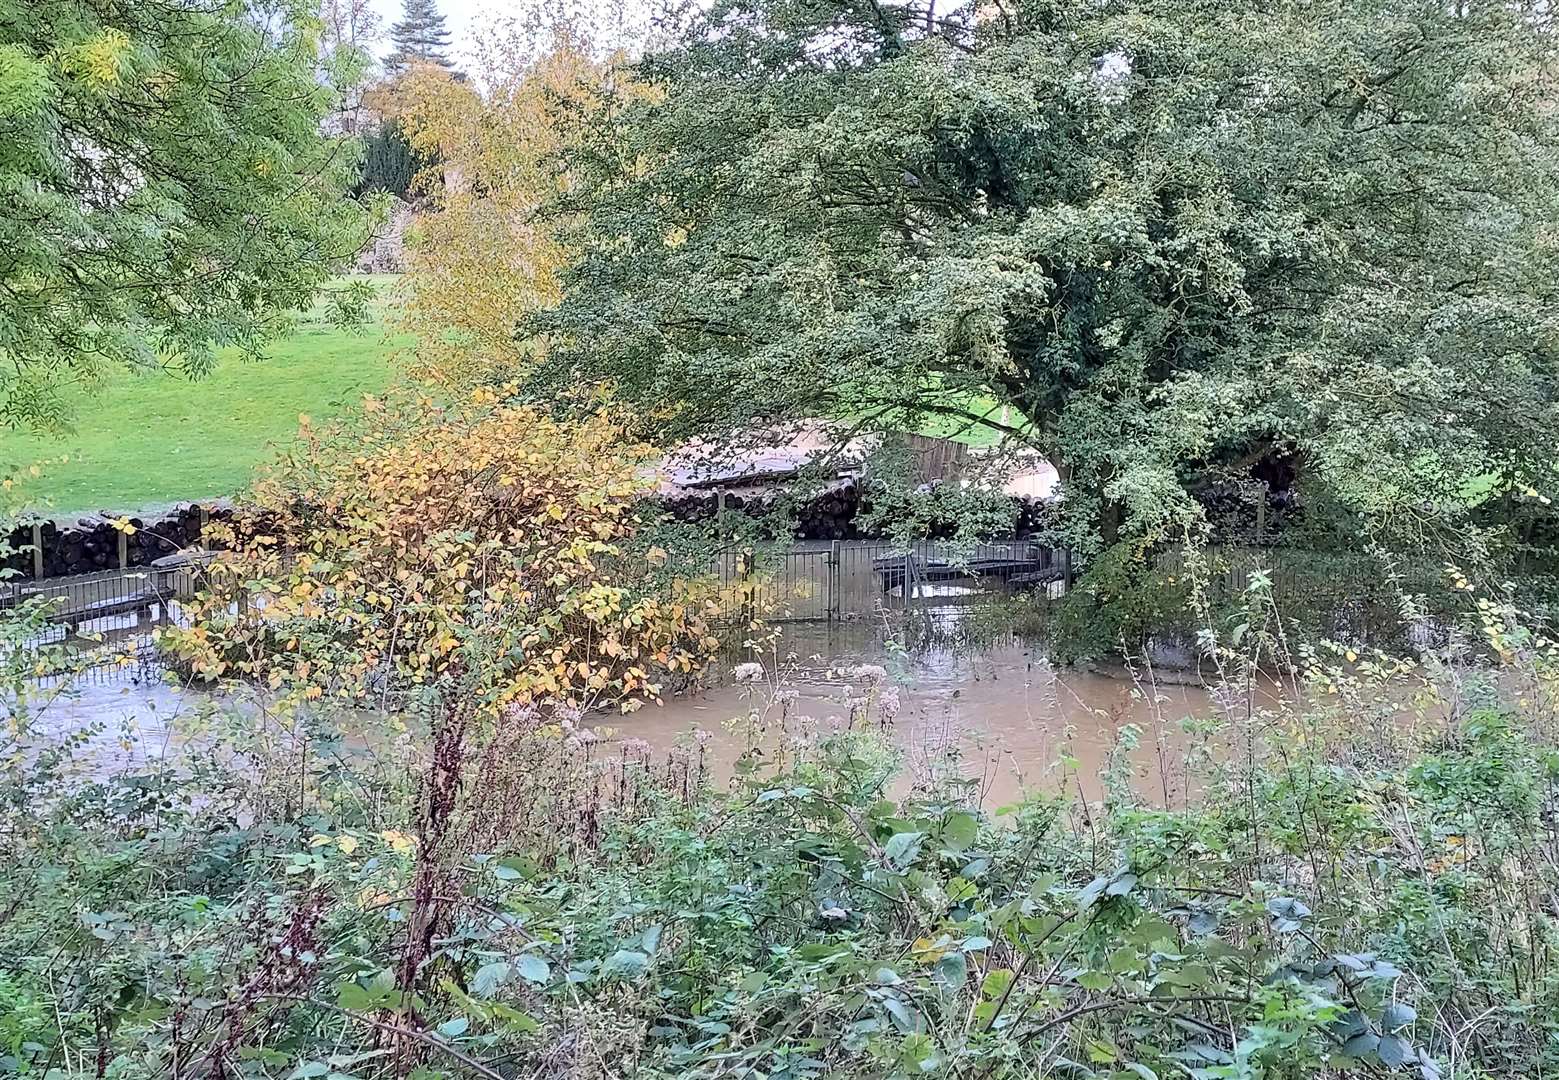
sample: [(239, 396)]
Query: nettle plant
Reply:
[(809, 925), (1302, 918)]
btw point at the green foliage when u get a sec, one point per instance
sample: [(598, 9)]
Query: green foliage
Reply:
[(1123, 601), (1169, 237), (389, 164), (166, 187)]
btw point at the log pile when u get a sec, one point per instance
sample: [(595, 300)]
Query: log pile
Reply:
[(836, 514), (93, 543), (1245, 513)]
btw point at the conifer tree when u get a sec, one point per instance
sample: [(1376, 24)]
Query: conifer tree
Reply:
[(420, 37)]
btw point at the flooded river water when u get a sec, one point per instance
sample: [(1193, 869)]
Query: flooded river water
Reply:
[(1012, 720)]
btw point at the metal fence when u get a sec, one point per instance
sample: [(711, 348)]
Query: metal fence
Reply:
[(111, 604), (113, 612), (827, 580)]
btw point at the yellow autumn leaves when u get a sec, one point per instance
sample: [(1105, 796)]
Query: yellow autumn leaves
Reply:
[(347, 843), (486, 550)]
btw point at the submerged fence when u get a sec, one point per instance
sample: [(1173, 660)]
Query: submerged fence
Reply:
[(828, 580)]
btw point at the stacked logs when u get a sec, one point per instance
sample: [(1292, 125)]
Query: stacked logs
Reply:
[(93, 543), (832, 515), (1244, 513), (836, 514)]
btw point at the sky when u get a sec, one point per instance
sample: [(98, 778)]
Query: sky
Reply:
[(466, 18)]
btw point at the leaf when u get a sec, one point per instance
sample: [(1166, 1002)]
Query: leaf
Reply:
[(1191, 976), (902, 848), (1287, 914), (952, 970), (627, 964), (308, 1069), (1394, 1051), (996, 981), (1202, 923), (532, 968), (524, 1023), (976, 943), (1122, 885), (454, 1027), (1397, 1016), (1125, 960), (489, 977), (1352, 962), (905, 1018), (1092, 891), (354, 997), (1095, 981), (649, 941), (1117, 884), (1385, 969), (960, 831), (1361, 1045)]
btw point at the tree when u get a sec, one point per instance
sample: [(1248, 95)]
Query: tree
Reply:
[(1167, 238), (483, 259), (349, 24), (472, 565), (477, 555), (420, 37), (348, 31), (167, 188), (389, 163)]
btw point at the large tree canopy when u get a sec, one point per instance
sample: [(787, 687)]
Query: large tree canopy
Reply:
[(164, 185), (1164, 234)]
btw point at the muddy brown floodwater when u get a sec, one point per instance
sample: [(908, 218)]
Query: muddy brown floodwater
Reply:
[(1014, 721)]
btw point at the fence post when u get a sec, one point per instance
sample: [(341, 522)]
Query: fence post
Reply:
[(834, 602), (37, 549), (1066, 569), (124, 549), (743, 574)]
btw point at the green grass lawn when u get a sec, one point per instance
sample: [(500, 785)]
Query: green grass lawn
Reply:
[(147, 440)]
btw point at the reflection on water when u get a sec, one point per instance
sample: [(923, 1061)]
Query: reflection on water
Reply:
[(124, 719), (1014, 720)]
